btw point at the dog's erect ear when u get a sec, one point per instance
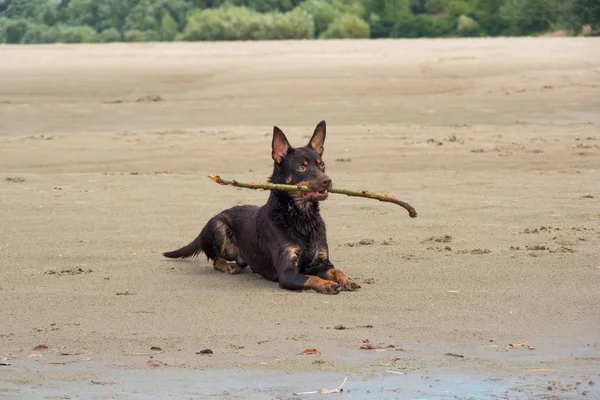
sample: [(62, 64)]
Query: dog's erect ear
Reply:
[(280, 145), (318, 138)]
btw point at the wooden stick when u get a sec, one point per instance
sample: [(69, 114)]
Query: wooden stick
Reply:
[(295, 188)]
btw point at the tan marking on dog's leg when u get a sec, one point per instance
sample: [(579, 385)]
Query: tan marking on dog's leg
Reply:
[(228, 250), (338, 276), (323, 255), (321, 285), (222, 265), (293, 253)]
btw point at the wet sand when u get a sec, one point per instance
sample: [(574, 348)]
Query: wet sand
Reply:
[(104, 152)]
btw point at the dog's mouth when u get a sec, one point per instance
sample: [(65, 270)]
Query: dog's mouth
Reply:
[(315, 196)]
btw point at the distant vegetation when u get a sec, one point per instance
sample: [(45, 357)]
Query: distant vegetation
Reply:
[(91, 21)]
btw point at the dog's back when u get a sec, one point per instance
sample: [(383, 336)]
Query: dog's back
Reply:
[(217, 235)]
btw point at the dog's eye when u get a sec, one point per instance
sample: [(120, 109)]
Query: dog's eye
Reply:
[(322, 165), (301, 168)]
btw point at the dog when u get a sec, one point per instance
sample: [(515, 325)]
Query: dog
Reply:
[(284, 240)]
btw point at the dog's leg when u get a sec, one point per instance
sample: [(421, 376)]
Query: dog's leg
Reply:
[(226, 249), (331, 273), (290, 279), (336, 275), (240, 262), (222, 265)]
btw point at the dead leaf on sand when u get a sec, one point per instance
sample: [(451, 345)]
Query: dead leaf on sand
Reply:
[(16, 179), (149, 98), (373, 347), (309, 351), (541, 370), (155, 348), (156, 363), (522, 344), (40, 347)]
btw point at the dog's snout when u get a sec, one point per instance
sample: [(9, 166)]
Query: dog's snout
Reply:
[(326, 182)]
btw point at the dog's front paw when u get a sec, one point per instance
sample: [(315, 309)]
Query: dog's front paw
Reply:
[(328, 287), (348, 285)]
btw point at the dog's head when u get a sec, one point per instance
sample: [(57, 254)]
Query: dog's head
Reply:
[(302, 165)]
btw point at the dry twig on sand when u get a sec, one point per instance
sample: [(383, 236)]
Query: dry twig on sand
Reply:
[(325, 391), (293, 188)]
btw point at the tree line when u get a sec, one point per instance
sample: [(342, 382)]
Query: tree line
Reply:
[(91, 21)]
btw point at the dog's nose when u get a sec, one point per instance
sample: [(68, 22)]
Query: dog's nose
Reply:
[(326, 183)]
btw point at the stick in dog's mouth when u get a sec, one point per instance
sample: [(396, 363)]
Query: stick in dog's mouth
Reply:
[(363, 193)]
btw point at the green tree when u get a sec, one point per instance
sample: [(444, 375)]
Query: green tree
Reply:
[(168, 28), (240, 23), (416, 26), (436, 6), (457, 8), (524, 17), (81, 13), (265, 6), (75, 34), (135, 35), (110, 35), (296, 24), (13, 30), (488, 16), (147, 15), (3, 21), (100, 15), (37, 11), (324, 12), (225, 23), (577, 13), (42, 21), (384, 15), (113, 14), (39, 33), (348, 26), (467, 26)]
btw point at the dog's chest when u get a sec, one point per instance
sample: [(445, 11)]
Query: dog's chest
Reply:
[(308, 260)]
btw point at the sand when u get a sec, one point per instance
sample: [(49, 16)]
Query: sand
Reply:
[(104, 152)]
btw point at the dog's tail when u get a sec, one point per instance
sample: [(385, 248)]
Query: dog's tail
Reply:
[(190, 250), (204, 243)]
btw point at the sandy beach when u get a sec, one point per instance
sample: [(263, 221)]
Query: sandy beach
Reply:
[(104, 153)]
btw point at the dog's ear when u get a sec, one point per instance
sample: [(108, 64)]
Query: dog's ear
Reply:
[(280, 145), (318, 138)]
